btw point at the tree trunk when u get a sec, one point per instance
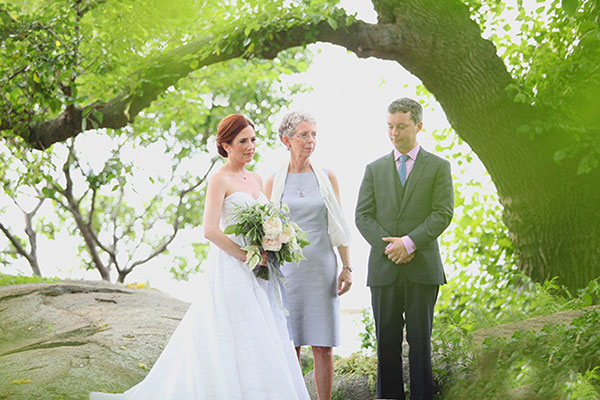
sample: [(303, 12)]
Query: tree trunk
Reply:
[(89, 239), (32, 235), (72, 206), (554, 222), (122, 275)]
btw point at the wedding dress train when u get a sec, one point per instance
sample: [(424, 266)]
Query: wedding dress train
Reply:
[(233, 342)]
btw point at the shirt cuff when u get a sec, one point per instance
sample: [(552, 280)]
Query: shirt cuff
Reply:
[(409, 244)]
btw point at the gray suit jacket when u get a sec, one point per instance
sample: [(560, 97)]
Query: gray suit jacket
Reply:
[(423, 213)]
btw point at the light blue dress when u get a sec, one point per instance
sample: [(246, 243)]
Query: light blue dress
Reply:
[(312, 285)]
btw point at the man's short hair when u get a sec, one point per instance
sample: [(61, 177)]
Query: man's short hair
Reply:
[(405, 105)]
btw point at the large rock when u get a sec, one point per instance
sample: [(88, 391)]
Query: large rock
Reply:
[(63, 340)]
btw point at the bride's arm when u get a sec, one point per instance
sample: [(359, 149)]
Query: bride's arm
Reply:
[(215, 195)]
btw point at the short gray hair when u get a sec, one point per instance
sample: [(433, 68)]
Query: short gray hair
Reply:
[(290, 122), (405, 105)]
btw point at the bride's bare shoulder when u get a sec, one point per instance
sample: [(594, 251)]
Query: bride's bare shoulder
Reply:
[(257, 178), (219, 183), (220, 177)]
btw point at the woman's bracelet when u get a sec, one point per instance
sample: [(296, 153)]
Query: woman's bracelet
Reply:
[(349, 268)]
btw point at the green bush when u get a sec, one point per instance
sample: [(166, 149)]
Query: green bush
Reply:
[(541, 364), (368, 338), (559, 362)]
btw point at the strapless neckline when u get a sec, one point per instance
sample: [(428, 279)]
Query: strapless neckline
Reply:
[(261, 194)]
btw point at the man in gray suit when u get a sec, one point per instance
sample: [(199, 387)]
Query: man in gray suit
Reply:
[(405, 202)]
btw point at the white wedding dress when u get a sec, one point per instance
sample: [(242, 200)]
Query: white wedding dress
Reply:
[(233, 342)]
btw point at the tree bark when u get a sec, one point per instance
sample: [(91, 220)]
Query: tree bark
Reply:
[(35, 268), (32, 235), (85, 228), (31, 256)]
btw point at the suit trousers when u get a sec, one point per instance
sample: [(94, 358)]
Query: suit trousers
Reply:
[(404, 303)]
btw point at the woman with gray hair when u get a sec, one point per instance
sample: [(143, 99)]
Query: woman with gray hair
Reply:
[(312, 195)]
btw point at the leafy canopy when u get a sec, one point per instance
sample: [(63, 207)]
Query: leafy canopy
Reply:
[(65, 53), (552, 49)]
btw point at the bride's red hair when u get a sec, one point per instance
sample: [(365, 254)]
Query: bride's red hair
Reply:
[(228, 129)]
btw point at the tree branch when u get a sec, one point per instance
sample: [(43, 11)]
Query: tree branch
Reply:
[(162, 72), (176, 222), (73, 206), (15, 242)]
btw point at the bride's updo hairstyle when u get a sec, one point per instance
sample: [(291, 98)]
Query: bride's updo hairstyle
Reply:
[(228, 129)]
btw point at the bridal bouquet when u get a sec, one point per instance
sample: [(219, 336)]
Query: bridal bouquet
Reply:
[(265, 227)]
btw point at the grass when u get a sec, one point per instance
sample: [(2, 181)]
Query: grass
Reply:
[(6, 280)]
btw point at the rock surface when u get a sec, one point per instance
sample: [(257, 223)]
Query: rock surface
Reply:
[(63, 340)]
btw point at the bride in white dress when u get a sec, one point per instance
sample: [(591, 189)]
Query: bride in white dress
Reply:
[(233, 343)]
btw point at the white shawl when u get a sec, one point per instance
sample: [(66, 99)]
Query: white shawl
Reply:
[(339, 234)]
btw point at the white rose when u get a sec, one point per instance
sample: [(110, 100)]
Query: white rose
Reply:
[(272, 226), (272, 243), (287, 233)]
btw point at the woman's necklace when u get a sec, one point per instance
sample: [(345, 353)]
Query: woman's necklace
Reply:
[(301, 192), (300, 186)]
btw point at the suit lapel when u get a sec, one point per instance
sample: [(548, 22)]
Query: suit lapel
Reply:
[(413, 179), (391, 176)]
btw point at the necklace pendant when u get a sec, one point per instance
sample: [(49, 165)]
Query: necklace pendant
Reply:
[(301, 193)]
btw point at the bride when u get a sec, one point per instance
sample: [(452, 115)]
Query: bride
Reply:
[(233, 343)]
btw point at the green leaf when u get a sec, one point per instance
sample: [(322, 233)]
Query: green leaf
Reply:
[(49, 192), (570, 7), (332, 22), (520, 98), (559, 156), (99, 116), (232, 229), (523, 128), (583, 167)]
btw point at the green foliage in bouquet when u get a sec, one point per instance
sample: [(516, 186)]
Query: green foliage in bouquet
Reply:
[(266, 227)]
